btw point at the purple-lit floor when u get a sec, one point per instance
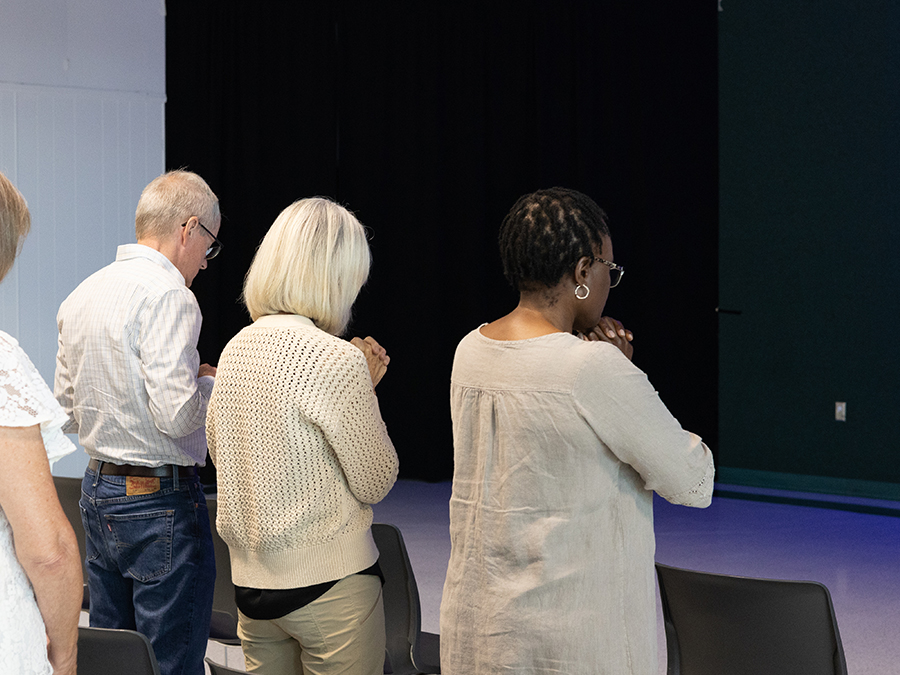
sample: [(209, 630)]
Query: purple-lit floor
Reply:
[(856, 555)]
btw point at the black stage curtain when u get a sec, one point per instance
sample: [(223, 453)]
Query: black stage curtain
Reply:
[(428, 120)]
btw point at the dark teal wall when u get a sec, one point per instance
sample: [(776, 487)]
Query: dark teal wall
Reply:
[(809, 114)]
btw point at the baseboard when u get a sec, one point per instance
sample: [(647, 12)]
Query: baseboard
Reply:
[(801, 483)]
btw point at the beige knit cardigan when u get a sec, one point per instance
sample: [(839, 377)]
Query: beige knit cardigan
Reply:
[(296, 435)]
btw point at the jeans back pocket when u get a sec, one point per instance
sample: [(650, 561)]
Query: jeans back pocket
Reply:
[(144, 542)]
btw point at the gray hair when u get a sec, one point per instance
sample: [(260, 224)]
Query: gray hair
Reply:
[(170, 200)]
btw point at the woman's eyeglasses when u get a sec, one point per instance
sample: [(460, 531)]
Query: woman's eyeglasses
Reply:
[(616, 272)]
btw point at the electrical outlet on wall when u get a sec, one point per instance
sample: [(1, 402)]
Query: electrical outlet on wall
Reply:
[(840, 411)]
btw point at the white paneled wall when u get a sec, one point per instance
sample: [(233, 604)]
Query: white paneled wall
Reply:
[(82, 96), (81, 159)]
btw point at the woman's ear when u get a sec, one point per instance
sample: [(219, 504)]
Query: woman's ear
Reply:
[(581, 269)]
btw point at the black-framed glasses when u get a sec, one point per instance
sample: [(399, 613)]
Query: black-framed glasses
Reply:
[(616, 272), (216, 247)]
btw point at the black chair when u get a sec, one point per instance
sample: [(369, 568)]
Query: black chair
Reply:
[(217, 669), (409, 650), (108, 651), (719, 624), (223, 624), (68, 490)]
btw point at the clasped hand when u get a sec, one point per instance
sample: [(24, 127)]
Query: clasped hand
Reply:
[(612, 331), (376, 357)]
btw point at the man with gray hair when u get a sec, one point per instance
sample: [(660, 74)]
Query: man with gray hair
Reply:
[(129, 376)]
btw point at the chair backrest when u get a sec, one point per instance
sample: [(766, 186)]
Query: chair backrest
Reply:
[(401, 597), (223, 624), (408, 653), (109, 651), (68, 490), (725, 624), (217, 669)]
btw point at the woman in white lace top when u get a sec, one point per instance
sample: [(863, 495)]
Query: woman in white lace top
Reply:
[(40, 570), (559, 441)]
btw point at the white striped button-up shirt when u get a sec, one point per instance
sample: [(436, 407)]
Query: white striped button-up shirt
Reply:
[(126, 369)]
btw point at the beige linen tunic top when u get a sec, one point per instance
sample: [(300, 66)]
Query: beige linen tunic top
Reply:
[(558, 445)]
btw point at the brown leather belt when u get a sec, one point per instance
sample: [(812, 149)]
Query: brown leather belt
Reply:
[(132, 470)]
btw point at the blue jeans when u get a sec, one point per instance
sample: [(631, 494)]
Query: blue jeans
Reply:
[(151, 566)]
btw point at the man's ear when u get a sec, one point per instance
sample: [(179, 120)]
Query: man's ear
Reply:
[(187, 228)]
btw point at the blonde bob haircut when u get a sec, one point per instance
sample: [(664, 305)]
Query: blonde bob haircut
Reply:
[(15, 221), (313, 261)]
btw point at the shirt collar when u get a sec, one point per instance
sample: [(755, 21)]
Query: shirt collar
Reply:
[(283, 321), (132, 251)]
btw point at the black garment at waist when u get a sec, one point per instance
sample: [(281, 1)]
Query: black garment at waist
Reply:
[(273, 604), (164, 471)]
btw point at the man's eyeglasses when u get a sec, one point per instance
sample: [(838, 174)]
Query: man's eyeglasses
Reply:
[(216, 247), (616, 272)]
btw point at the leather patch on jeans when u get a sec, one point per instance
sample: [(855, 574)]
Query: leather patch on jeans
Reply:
[(141, 485)]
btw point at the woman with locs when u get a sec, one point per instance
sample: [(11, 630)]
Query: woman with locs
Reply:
[(559, 443)]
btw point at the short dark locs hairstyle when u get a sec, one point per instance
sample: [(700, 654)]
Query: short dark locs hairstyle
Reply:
[(544, 235)]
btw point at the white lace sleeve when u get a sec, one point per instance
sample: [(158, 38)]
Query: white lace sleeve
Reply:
[(25, 399)]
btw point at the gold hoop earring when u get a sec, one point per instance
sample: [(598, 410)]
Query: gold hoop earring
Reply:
[(587, 292)]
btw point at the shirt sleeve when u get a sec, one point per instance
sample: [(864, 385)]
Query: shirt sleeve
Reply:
[(62, 386), (169, 331), (356, 432), (626, 413)]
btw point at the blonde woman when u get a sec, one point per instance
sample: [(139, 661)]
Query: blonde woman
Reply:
[(40, 573), (296, 435)]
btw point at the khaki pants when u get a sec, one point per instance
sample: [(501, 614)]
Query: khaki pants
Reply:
[(341, 632)]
